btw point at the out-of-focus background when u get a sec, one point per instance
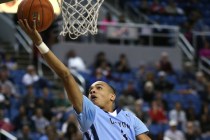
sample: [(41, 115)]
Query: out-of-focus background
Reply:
[(154, 52)]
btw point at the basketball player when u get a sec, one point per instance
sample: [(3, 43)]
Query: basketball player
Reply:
[(98, 118)]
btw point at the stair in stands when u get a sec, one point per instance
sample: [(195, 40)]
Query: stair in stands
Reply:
[(21, 57)]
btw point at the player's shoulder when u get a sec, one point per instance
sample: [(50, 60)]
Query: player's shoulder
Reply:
[(128, 113)]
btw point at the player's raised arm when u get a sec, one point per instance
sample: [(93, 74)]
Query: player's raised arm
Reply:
[(72, 89)]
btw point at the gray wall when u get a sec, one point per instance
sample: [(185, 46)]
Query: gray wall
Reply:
[(135, 54), (7, 29)]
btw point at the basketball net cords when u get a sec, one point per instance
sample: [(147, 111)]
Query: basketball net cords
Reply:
[(81, 29)]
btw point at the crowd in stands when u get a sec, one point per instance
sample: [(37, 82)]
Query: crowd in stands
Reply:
[(190, 16), (171, 12), (173, 103)]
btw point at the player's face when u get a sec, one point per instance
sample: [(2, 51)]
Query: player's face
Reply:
[(101, 95)]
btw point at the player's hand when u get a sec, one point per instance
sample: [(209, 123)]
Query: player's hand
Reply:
[(31, 32)]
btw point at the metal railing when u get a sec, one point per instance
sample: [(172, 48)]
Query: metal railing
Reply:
[(21, 38), (204, 65), (24, 40), (154, 34), (186, 47), (199, 40), (7, 134)]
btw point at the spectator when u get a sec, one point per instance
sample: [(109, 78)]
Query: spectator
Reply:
[(39, 121), (178, 114), (99, 59), (206, 95), (5, 79), (61, 104), (47, 94), (192, 116), (128, 96), (107, 20), (141, 72), (70, 119), (5, 122), (145, 34), (4, 97), (205, 125), (131, 90), (173, 133), (187, 73), (191, 133), (50, 133), (200, 83), (10, 62), (172, 8), (156, 7), (122, 65), (22, 120), (160, 100), (46, 106), (29, 99), (205, 51), (148, 92), (187, 30), (144, 7), (25, 133), (165, 64), (157, 114), (197, 20), (125, 100), (140, 111), (75, 62), (162, 84), (32, 78), (149, 76), (72, 132), (121, 31), (106, 69)]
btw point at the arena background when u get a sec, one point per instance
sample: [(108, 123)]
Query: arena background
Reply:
[(154, 52)]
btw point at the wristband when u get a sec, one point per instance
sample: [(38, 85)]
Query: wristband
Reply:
[(43, 48)]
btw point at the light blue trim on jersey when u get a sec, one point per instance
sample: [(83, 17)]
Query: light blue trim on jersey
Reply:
[(96, 123)]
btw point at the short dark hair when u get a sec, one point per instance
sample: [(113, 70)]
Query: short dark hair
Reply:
[(113, 89)]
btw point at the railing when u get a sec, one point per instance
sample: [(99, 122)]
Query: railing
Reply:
[(199, 41), (186, 47), (23, 38), (20, 36), (138, 34), (204, 65), (7, 134), (23, 41)]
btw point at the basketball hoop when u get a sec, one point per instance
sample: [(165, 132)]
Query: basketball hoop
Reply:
[(79, 17)]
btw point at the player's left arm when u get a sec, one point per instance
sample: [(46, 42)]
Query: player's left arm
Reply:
[(142, 137)]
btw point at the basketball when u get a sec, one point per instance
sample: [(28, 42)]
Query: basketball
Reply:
[(40, 10)]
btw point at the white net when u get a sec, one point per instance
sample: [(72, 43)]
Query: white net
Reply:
[(80, 17)]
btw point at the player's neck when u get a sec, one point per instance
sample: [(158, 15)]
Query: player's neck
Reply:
[(109, 108)]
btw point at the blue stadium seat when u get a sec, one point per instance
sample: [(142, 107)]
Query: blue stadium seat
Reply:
[(17, 75), (192, 100), (155, 129), (172, 79), (181, 87)]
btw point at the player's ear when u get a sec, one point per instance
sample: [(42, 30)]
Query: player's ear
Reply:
[(113, 96)]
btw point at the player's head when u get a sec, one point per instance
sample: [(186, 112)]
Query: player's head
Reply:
[(102, 95)]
